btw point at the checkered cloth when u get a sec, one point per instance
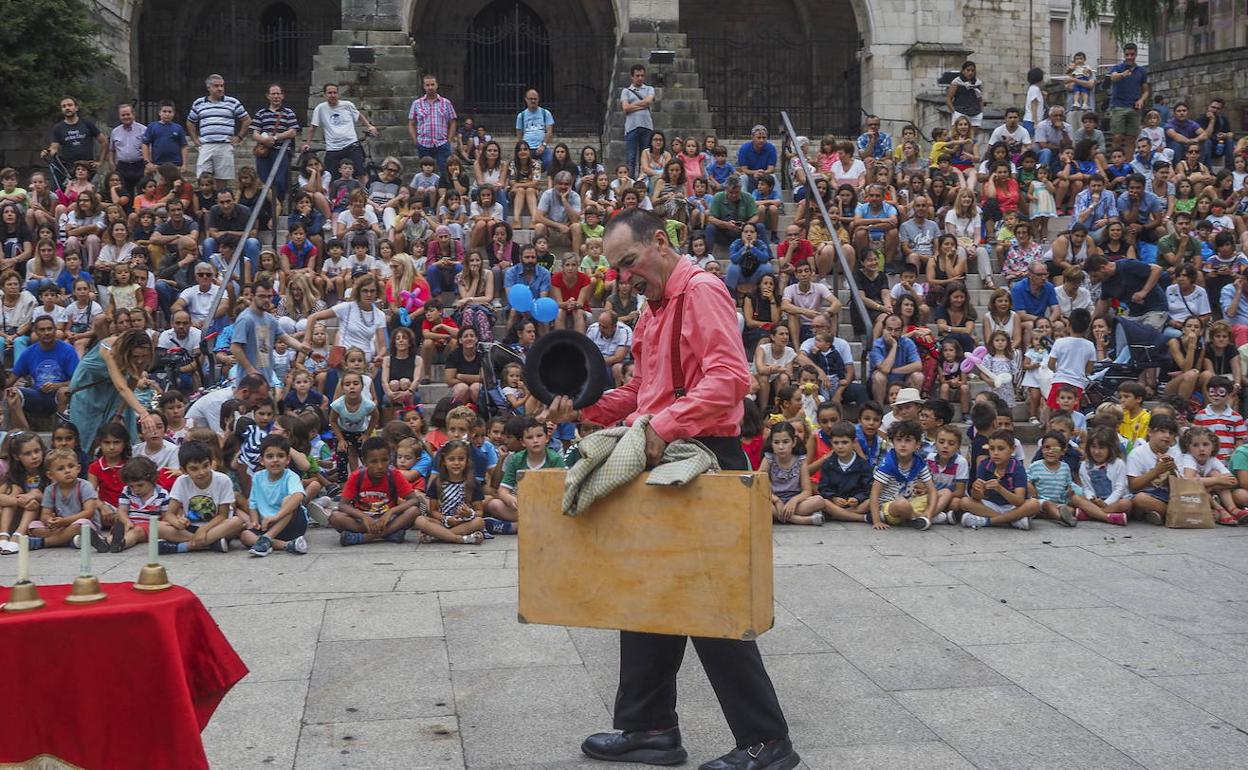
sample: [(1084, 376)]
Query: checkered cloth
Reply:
[(613, 457)]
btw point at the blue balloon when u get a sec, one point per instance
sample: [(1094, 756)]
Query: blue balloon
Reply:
[(520, 297), (405, 318), (545, 309)]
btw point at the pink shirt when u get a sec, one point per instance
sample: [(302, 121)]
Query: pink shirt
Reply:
[(711, 354), (693, 169)]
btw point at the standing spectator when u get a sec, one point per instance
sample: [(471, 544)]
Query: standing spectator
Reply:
[(636, 100), (337, 118), (1033, 106), (255, 332), (965, 97), (125, 148), (216, 123), (73, 140), (757, 159), (431, 124), (874, 143), (1133, 284), (164, 142), (275, 123), (535, 125), (1128, 93), (1221, 141)]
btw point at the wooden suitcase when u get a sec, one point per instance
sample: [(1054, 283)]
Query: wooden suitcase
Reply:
[(693, 560)]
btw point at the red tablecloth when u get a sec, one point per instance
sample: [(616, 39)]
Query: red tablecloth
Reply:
[(128, 682)]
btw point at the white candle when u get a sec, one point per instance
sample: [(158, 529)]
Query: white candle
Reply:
[(84, 549), (153, 537), (23, 558)]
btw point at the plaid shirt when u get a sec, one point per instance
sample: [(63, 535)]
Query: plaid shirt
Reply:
[(433, 120)]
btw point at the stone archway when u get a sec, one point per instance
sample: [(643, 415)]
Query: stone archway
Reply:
[(506, 37), (801, 56)]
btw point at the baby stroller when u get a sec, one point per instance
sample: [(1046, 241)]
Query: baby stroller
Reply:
[(492, 403), (1140, 348)]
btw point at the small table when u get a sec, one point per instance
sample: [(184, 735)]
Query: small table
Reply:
[(128, 682)]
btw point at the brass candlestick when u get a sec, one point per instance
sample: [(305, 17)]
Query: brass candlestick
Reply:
[(24, 596), (153, 577), (86, 590)]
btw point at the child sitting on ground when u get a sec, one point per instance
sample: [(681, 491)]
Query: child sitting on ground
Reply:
[(902, 485), (141, 499), (68, 504), (950, 474), (999, 493), (1134, 425), (455, 500), (502, 511), (867, 439), (275, 505), (1220, 417), (983, 417), (1198, 462), (1149, 467), (1103, 478), (819, 445), (791, 499), (201, 505), (1052, 484), (377, 502), (845, 477)]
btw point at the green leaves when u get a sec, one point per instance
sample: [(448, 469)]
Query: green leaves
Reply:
[(49, 52)]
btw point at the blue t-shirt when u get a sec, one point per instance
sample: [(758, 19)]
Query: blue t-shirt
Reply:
[(1014, 478), (886, 210), (907, 353), (257, 332), (44, 366), (538, 283), (756, 159), (1026, 302), (1148, 205), (719, 173), (66, 281), (268, 495), (1126, 92), (166, 141), (533, 123)]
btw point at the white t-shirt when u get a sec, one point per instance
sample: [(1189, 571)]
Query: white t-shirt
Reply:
[(73, 314), (916, 289), (1073, 354), (198, 303), (1212, 467), (841, 174), (1143, 459), (346, 219), (358, 328), (168, 339), (199, 504), (1183, 306), (812, 299), (1034, 109), (1018, 136), (337, 123), (165, 457), (207, 408), (963, 229)]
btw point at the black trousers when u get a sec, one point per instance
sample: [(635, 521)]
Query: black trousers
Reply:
[(131, 172), (646, 699)]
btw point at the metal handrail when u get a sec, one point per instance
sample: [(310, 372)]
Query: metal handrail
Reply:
[(251, 222), (812, 192)]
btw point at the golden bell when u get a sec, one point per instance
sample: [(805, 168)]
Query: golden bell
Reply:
[(152, 577), (24, 596), (86, 589)]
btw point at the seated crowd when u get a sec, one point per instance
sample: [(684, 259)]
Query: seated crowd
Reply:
[(280, 387)]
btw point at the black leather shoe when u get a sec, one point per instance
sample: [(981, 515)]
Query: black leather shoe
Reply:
[(651, 747), (777, 755)]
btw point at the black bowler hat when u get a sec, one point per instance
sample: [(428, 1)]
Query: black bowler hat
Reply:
[(566, 363)]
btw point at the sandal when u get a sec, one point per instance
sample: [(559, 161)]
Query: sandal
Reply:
[(1241, 516), (1227, 520)]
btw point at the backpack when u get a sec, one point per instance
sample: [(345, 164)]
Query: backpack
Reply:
[(391, 488)]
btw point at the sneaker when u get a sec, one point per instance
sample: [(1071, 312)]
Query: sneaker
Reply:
[(1065, 516), (1080, 515), (398, 536), (1034, 421), (316, 512), (1023, 523), (8, 547), (1154, 518), (297, 546), (165, 548), (1119, 519), (920, 523), (974, 521), (117, 537), (351, 538), (263, 547), (817, 519), (220, 546), (497, 303), (76, 542), (97, 541), (499, 526), (945, 517)]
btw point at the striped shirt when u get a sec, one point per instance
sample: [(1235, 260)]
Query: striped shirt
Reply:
[(433, 120), (949, 476), (1051, 485), (267, 121), (216, 121), (138, 509), (1227, 425), (903, 483)]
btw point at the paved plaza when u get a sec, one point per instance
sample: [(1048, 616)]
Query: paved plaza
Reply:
[(1097, 647)]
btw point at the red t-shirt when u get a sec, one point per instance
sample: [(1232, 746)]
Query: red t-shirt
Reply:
[(109, 487), (446, 321), (570, 292), (373, 497), (801, 254)]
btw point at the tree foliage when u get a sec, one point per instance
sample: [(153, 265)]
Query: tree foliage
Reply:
[(49, 52), (1133, 19)]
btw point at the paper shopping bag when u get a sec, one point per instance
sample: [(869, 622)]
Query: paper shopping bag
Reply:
[(1189, 506)]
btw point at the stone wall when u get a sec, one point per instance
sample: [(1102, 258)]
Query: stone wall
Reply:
[(1006, 44), (1197, 79)]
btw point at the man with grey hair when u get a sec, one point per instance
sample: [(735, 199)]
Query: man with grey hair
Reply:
[(613, 338), (558, 215), (216, 123), (874, 143), (1052, 136), (757, 159)]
